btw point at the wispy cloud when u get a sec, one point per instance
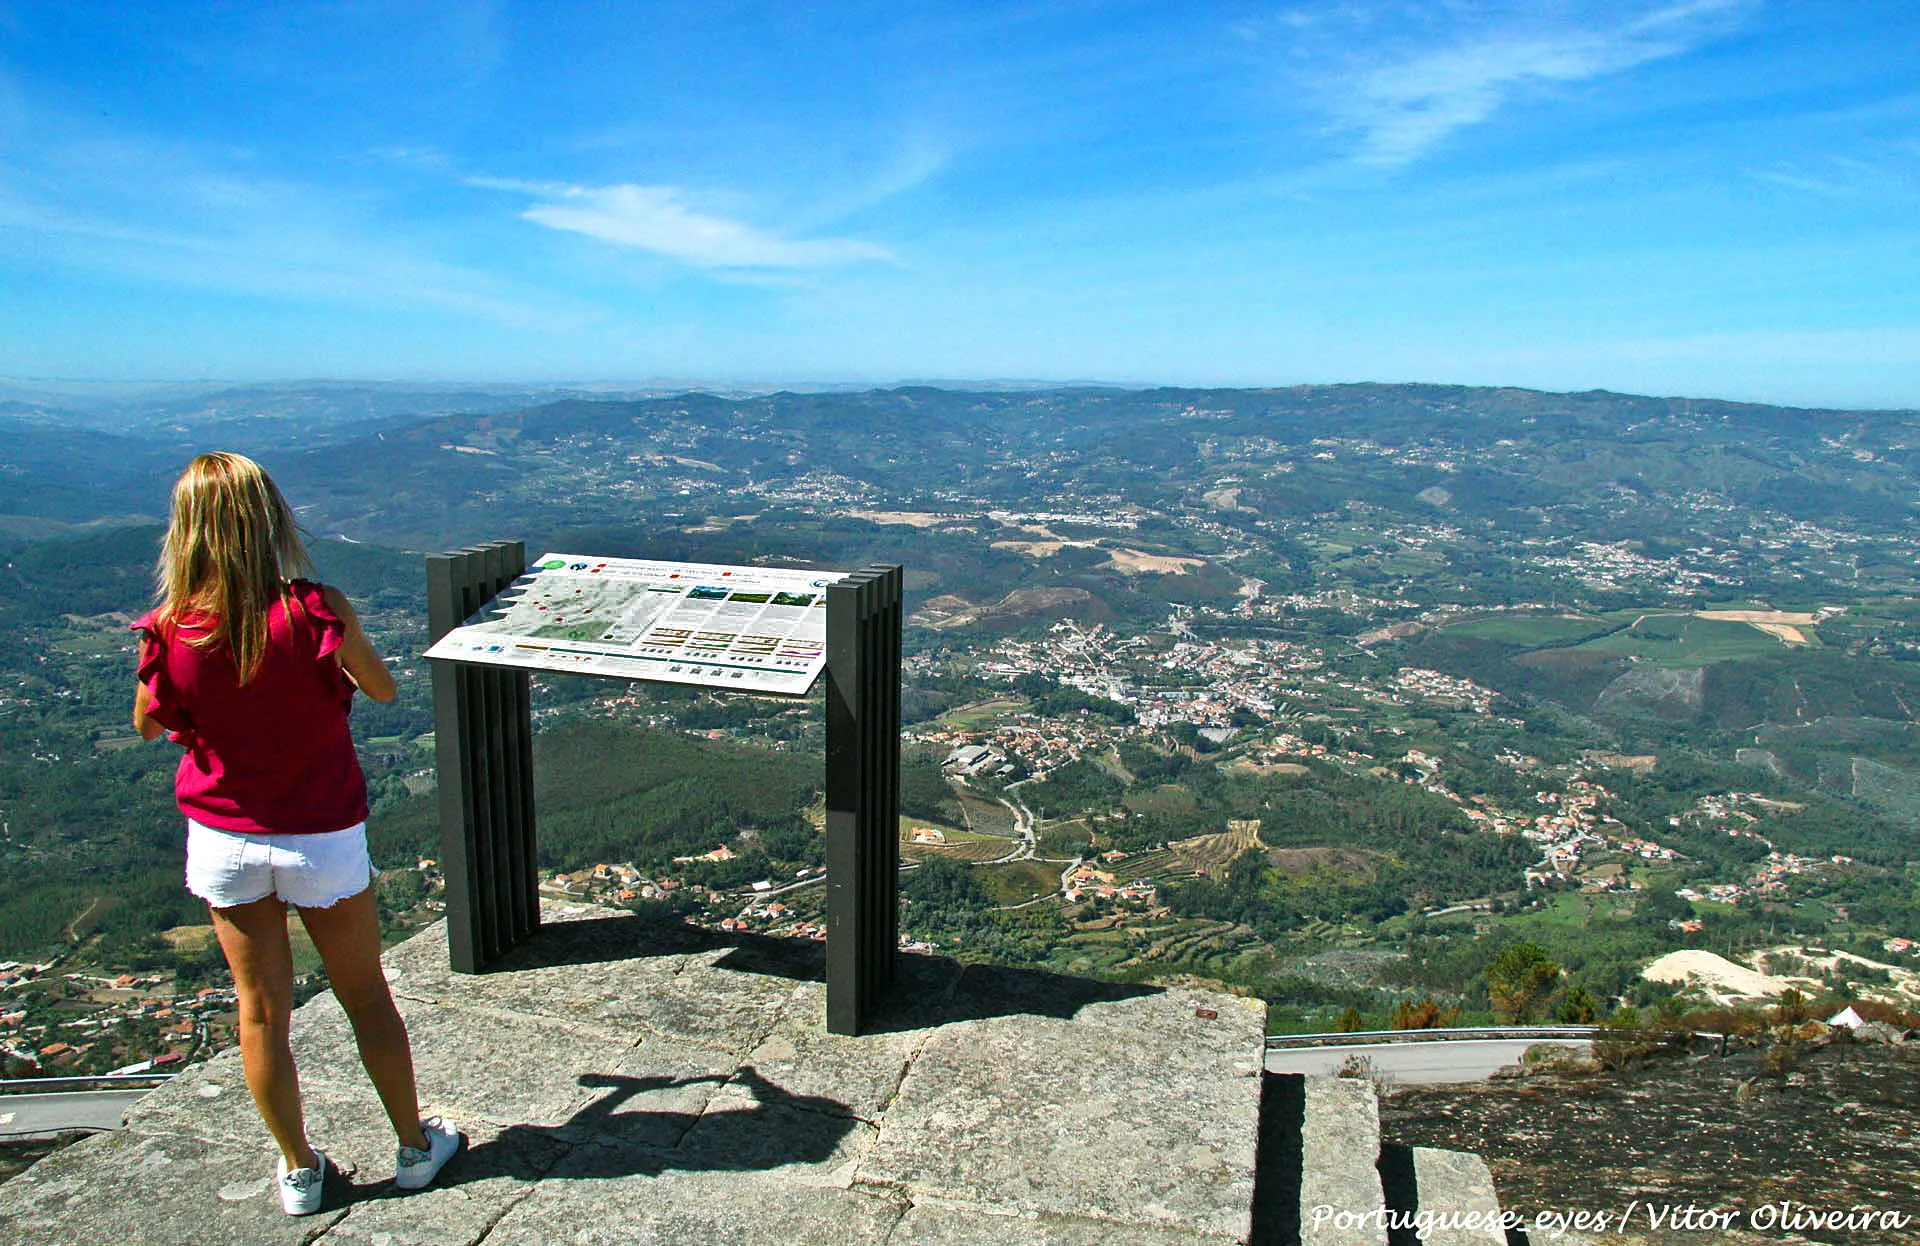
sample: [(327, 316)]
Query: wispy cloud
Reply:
[(282, 251), (1886, 170), (1411, 90), (658, 219), (126, 207)]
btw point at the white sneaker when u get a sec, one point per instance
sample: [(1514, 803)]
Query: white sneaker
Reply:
[(301, 1189), (416, 1168)]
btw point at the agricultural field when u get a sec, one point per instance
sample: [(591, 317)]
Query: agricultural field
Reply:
[(980, 715), (1065, 838), (958, 845), (1169, 798), (1665, 639), (1532, 630), (1017, 882), (984, 815)]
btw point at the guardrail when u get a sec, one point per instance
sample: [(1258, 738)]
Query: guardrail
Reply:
[(1276, 1042), (27, 1085)]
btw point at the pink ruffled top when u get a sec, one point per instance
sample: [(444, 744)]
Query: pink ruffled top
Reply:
[(273, 757)]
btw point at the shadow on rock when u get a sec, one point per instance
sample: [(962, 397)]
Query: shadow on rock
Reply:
[(928, 991), (598, 940), (609, 1137)]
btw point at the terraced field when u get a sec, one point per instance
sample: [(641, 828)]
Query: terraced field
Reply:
[(984, 815), (959, 846)]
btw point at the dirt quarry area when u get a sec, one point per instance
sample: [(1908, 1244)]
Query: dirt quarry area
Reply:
[(1136, 562), (1032, 549), (1775, 970), (1782, 624), (1724, 980), (911, 519)]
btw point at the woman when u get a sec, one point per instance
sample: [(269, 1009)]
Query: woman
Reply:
[(254, 672)]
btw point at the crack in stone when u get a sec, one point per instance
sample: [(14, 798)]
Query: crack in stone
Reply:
[(830, 1114), (486, 1230), (575, 1029), (647, 1031), (882, 1185), (326, 1228), (901, 1206), (906, 1070), (150, 1131), (879, 1124)]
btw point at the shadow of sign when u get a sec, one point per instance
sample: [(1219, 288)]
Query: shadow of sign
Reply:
[(928, 991)]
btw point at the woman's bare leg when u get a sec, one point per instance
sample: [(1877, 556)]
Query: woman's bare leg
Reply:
[(254, 938), (347, 935)]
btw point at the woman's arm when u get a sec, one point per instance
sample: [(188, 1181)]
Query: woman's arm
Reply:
[(357, 657), (142, 702)]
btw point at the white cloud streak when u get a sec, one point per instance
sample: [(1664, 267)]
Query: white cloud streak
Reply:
[(82, 198), (1402, 108), (658, 219)]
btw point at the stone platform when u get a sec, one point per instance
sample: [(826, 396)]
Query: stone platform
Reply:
[(634, 1081)]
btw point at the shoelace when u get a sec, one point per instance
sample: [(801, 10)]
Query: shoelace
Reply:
[(302, 1179)]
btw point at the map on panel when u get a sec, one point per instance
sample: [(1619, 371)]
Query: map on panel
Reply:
[(753, 629)]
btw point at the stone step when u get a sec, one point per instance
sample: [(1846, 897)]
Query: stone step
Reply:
[(1342, 1201), (1329, 1181), (1455, 1189)]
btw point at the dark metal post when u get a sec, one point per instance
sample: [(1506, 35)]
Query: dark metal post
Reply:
[(863, 792), (483, 743)]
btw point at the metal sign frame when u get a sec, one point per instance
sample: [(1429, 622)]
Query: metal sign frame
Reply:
[(483, 747)]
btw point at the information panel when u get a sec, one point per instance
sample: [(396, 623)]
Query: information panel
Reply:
[(752, 629)]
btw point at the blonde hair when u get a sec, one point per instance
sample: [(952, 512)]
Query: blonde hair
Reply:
[(230, 548)]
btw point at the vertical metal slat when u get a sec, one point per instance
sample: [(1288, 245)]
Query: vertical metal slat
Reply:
[(444, 601), (520, 765), (497, 796)]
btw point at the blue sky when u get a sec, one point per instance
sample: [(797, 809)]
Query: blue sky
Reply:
[(1702, 197)]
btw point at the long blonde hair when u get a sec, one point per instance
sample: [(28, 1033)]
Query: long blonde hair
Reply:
[(232, 545)]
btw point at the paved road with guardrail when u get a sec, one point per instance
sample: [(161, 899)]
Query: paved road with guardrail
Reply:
[(1418, 1057), (42, 1107)]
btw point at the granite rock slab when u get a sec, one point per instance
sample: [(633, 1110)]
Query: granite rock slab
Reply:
[(628, 1080), (644, 975), (1035, 1115), (1457, 1185), (209, 1101), (585, 1207), (133, 1187), (753, 1127), (933, 1222), (857, 1077), (470, 1064), (495, 1170), (1342, 1202)]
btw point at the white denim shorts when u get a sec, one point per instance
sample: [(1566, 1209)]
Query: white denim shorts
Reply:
[(226, 868)]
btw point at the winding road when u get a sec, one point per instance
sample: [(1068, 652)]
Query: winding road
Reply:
[(1023, 828)]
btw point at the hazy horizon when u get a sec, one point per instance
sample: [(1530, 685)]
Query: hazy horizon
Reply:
[(1685, 197), (12, 387)]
